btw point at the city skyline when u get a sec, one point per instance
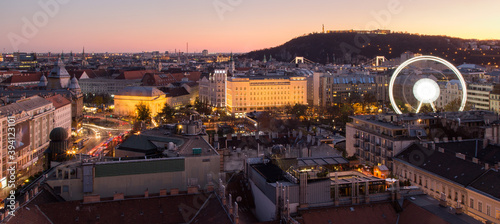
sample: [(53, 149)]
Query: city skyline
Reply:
[(222, 25)]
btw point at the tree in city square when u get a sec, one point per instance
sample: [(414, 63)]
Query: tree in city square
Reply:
[(369, 100), (299, 110), (167, 113), (201, 107), (143, 112)]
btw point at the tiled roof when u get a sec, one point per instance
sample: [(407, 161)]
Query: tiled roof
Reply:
[(169, 209), (138, 143), (174, 92), (58, 101), (30, 214), (415, 214), (24, 77), (130, 75), (473, 148), (373, 213), (488, 183), (24, 105), (445, 165), (140, 91)]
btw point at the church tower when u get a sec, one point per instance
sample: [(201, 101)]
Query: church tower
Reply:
[(231, 66), (58, 77), (84, 59)]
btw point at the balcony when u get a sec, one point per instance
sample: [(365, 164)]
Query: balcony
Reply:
[(356, 136), (367, 140), (356, 145)]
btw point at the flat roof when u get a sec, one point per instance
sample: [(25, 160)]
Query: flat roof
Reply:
[(331, 160)]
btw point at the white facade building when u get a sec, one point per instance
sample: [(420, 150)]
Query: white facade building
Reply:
[(62, 112), (213, 88)]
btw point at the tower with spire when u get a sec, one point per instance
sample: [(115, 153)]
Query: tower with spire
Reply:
[(231, 64), (84, 59)]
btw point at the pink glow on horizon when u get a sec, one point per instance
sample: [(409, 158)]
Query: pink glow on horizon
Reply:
[(130, 26)]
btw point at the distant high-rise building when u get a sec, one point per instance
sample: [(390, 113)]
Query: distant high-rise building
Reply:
[(204, 53)]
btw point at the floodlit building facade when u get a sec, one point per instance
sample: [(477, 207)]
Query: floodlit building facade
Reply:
[(258, 93), (127, 99), (33, 121)]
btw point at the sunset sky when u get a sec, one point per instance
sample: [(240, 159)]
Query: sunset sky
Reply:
[(226, 25)]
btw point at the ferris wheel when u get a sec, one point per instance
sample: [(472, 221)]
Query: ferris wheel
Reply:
[(412, 89)]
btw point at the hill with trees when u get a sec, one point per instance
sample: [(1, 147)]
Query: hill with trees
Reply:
[(357, 48)]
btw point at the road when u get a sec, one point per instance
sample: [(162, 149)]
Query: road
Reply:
[(96, 135)]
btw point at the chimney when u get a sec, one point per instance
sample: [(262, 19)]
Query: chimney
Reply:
[(236, 216), (163, 192), (459, 138), (425, 144), (433, 146), (485, 143), (486, 166), (445, 139), (118, 196), (454, 139), (436, 139), (146, 193), (91, 198), (192, 190), (475, 160), (460, 155), (441, 150), (230, 204), (174, 191)]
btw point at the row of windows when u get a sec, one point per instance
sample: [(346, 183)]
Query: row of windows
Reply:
[(268, 93), (270, 88), (270, 98), (472, 202)]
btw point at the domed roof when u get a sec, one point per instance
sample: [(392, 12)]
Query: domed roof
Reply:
[(58, 134), (43, 81), (140, 91), (74, 83)]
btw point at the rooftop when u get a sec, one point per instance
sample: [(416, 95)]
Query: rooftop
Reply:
[(27, 104), (488, 183), (195, 208), (447, 166), (58, 101), (140, 91)]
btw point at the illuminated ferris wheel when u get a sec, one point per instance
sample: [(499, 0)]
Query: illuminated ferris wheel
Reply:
[(433, 86)]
